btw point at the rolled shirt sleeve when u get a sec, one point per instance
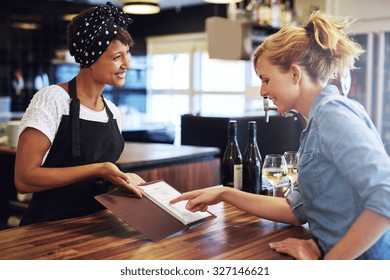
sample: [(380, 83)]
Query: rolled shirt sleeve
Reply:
[(294, 199)]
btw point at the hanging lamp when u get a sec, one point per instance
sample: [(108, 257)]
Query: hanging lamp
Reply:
[(221, 1), (141, 7)]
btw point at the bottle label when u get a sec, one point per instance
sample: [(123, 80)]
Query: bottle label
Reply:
[(238, 176)]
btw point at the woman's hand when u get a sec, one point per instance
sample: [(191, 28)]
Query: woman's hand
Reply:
[(199, 200), (130, 181), (134, 180), (299, 249)]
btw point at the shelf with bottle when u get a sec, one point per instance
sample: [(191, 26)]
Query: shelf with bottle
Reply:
[(260, 33), (264, 13), (261, 18)]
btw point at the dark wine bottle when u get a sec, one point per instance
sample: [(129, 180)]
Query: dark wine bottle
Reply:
[(252, 162), (232, 159)]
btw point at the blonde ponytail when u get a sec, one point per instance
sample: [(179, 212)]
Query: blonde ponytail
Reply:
[(321, 46)]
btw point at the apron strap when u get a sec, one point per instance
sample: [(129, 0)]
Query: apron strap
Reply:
[(108, 111), (75, 118)]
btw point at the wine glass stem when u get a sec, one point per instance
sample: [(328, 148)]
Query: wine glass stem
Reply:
[(291, 185), (289, 189)]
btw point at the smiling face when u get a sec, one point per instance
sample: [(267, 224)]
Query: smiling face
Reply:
[(281, 88), (111, 66)]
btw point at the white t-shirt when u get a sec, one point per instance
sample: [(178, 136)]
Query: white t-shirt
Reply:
[(47, 106)]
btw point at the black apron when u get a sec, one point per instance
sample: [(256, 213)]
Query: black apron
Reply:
[(77, 142)]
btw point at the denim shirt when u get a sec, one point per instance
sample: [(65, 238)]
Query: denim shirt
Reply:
[(343, 170)]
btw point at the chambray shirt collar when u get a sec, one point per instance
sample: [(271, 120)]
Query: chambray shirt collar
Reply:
[(326, 91)]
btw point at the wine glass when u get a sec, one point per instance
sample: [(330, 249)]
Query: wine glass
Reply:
[(274, 169), (291, 158)]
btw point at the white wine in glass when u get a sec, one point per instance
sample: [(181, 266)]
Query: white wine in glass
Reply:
[(291, 158), (274, 169)]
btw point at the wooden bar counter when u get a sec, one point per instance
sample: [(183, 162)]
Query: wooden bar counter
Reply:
[(233, 235)]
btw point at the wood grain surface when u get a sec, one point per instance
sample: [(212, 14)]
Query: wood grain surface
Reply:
[(233, 235)]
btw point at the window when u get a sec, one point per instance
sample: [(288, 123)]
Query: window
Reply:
[(65, 72), (183, 80), (222, 104), (221, 75), (168, 107), (170, 71)]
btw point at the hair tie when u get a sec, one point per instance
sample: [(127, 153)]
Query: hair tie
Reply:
[(309, 29), (96, 33)]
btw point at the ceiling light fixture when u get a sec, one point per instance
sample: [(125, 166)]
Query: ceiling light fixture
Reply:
[(140, 7), (221, 1), (26, 25), (68, 17)]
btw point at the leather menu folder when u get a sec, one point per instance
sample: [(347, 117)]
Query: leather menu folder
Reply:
[(142, 214)]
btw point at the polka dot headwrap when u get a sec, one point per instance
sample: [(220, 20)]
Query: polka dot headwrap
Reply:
[(96, 32)]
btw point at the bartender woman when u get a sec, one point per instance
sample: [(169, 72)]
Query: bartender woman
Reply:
[(70, 135)]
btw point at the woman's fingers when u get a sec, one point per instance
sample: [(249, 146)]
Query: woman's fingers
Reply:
[(186, 196), (297, 248), (133, 179), (137, 191), (203, 207)]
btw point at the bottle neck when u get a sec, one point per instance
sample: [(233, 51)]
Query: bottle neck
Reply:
[(252, 134), (233, 133), (252, 129)]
